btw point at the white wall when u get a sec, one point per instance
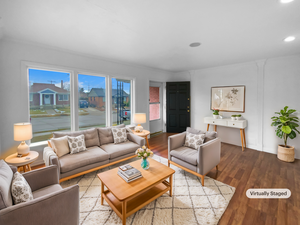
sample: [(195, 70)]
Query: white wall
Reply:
[(13, 84), (270, 85)]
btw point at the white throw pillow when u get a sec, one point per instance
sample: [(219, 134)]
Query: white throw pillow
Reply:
[(76, 144), (20, 189), (194, 140), (60, 146), (119, 134)]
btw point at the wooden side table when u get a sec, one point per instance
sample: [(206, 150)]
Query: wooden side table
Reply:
[(22, 162), (143, 134)]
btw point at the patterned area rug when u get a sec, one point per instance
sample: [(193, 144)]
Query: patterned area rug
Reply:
[(190, 204)]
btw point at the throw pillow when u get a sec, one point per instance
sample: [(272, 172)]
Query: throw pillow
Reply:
[(60, 146), (194, 140), (119, 134), (20, 189), (76, 144)]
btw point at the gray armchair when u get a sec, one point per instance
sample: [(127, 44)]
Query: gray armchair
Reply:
[(198, 162), (51, 204)]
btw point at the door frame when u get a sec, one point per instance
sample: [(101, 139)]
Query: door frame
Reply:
[(164, 97), (160, 86)]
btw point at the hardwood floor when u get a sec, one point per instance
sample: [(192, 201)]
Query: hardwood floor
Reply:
[(251, 169)]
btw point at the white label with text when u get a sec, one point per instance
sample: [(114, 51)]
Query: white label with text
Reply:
[(268, 193)]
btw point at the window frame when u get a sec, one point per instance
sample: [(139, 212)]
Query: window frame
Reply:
[(73, 96)]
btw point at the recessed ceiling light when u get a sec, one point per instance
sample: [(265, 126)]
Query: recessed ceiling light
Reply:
[(286, 1), (195, 44), (290, 38)]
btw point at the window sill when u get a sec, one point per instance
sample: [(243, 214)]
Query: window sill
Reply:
[(154, 120), (38, 143)]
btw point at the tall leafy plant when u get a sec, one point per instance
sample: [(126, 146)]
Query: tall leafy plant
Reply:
[(286, 124)]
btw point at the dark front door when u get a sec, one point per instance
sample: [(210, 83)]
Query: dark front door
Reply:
[(178, 106)]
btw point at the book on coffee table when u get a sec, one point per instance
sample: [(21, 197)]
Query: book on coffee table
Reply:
[(129, 180)]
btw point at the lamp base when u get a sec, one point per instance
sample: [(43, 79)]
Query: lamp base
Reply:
[(23, 149), (138, 128)]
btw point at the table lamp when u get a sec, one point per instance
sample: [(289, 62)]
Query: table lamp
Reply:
[(22, 132), (139, 118)]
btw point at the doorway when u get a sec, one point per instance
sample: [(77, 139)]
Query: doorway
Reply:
[(155, 107), (178, 106)]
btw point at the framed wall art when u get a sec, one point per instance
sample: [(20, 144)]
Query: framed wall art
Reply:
[(228, 98)]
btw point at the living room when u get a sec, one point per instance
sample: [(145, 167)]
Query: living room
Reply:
[(236, 44)]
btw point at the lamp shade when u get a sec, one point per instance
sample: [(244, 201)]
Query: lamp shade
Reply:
[(139, 118), (22, 131)]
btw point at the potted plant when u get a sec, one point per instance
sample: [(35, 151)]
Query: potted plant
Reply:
[(238, 117), (215, 113), (233, 117), (286, 127)]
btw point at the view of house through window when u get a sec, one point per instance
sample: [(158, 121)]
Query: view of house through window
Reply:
[(49, 96), (121, 108), (92, 109), (154, 104)]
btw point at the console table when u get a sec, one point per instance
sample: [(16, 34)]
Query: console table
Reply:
[(240, 124)]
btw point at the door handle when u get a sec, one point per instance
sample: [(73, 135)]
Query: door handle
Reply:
[(188, 111)]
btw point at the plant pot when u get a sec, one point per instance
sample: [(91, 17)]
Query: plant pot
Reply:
[(216, 116), (238, 118), (286, 154), (232, 118)]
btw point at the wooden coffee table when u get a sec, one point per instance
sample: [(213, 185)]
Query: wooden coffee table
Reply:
[(127, 198)]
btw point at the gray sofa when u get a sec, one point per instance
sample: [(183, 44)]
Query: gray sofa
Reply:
[(51, 204), (196, 161), (101, 152)]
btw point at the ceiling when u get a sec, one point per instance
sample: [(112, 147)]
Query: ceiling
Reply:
[(158, 33)]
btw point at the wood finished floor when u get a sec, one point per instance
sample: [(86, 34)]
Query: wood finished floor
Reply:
[(251, 169)]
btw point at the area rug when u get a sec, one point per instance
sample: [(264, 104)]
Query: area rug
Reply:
[(190, 204)]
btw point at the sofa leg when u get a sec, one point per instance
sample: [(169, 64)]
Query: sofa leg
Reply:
[(217, 167)]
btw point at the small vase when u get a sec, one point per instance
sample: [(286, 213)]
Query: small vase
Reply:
[(216, 116), (145, 163)]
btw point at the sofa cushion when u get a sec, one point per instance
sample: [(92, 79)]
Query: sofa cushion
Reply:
[(90, 135), (210, 135), (6, 175), (186, 154), (91, 155), (46, 190), (194, 131), (120, 149), (106, 135)]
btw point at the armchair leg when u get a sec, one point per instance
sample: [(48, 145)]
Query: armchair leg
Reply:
[(168, 163), (202, 180)]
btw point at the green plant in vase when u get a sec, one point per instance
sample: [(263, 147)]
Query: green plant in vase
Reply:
[(215, 113), (144, 153), (286, 127), (238, 117)]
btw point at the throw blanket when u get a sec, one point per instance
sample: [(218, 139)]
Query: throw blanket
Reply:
[(46, 156)]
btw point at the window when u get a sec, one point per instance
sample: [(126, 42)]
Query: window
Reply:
[(154, 107), (121, 95), (47, 112), (91, 113), (63, 97), (54, 105)]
